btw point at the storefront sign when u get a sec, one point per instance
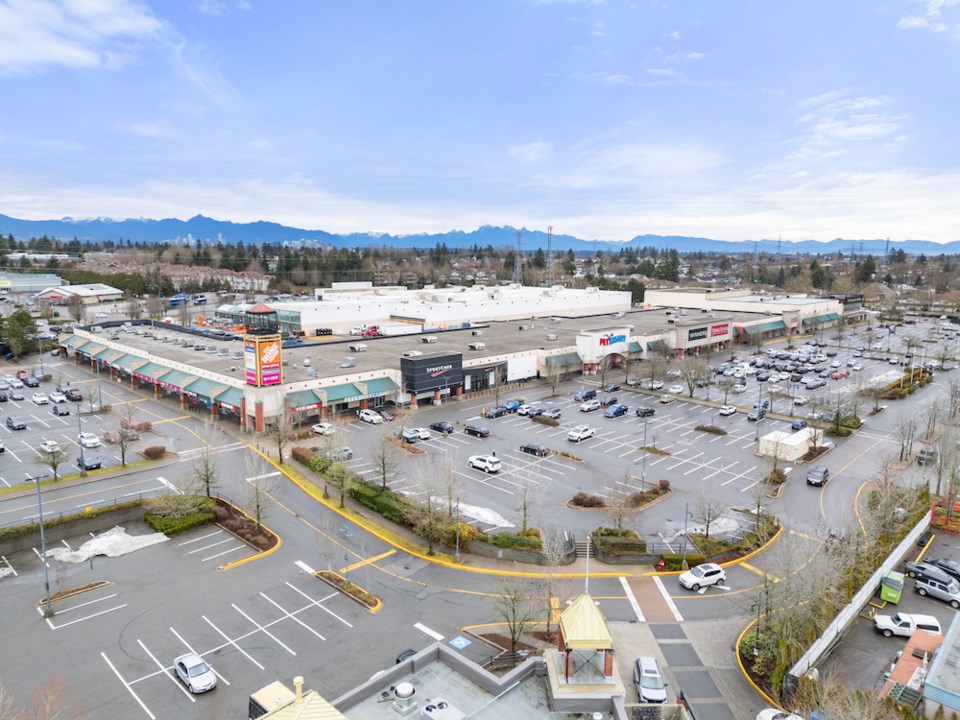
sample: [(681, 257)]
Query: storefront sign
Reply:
[(431, 372), (168, 386), (718, 330), (612, 339), (262, 360), (697, 334)]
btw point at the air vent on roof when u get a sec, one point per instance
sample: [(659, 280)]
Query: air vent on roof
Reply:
[(440, 709), (404, 701), (551, 336), (476, 333)]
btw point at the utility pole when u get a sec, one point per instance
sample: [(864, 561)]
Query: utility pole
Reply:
[(517, 260), (548, 275)]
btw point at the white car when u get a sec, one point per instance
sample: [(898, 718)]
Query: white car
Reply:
[(652, 384), (50, 446), (370, 416), (728, 410), (777, 714), (58, 397), (738, 388), (16, 383), (195, 673), (590, 406), (857, 368), (703, 575), (102, 316), (323, 428), (89, 440), (487, 463), (580, 432), (40, 399), (524, 409), (800, 400), (676, 389), (422, 433)]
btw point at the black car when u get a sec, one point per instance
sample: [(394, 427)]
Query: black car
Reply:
[(495, 412), (758, 413), (535, 449), (477, 431), (73, 395), (89, 462), (442, 427), (3, 397), (60, 409), (608, 401), (387, 417), (951, 567), (535, 411), (644, 411), (611, 387), (31, 382), (15, 422)]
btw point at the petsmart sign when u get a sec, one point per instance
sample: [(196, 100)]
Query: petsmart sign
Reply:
[(593, 345)]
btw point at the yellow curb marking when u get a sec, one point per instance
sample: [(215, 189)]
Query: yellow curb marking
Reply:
[(759, 572), (367, 561)]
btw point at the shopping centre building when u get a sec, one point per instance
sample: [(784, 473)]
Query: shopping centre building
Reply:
[(256, 378)]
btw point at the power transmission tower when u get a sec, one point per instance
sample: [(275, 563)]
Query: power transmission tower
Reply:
[(517, 269), (548, 275)]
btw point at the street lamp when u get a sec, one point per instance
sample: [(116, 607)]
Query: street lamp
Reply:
[(643, 467), (456, 520), (83, 465), (683, 552), (756, 638), (48, 612)]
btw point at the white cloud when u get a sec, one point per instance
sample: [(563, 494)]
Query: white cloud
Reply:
[(205, 74), (74, 33), (531, 152), (216, 8), (833, 121), (155, 130), (932, 17)]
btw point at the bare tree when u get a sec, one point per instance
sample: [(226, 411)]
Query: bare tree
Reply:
[(448, 478), (384, 458), (126, 433), (621, 506), (555, 546), (708, 508), (341, 477), (76, 308), (906, 433), (205, 472), (931, 419), (281, 433), (259, 498), (529, 496), (954, 395), (554, 373), (426, 516), (693, 369), (134, 309), (512, 604), (53, 457), (156, 308)]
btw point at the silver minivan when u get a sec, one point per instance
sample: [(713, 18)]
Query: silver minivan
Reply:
[(649, 680), (948, 591)]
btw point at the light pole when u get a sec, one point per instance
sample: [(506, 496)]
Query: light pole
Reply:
[(48, 612), (99, 389), (756, 637), (759, 409), (40, 354), (83, 465), (643, 467), (683, 552), (456, 520)]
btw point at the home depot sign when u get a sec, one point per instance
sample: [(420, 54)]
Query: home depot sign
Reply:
[(594, 345)]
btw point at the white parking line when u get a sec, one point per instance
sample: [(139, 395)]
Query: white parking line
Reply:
[(263, 629), (212, 545), (127, 686), (225, 552), (303, 566), (203, 537), (292, 616), (318, 604), (427, 631), (667, 599), (231, 642), (172, 677)]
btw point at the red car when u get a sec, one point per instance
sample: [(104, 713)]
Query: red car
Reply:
[(839, 374), (22, 375)]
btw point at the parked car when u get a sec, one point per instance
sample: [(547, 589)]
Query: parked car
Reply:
[(727, 410), (524, 409), (608, 401), (798, 424), (443, 427), (337, 454), (615, 411), (58, 397), (191, 668), (535, 449), (323, 428), (50, 446), (60, 409), (951, 567), (31, 382), (580, 432), (16, 395), (409, 436), (585, 395), (590, 406), (926, 455), (88, 440), (40, 398), (422, 433), (778, 714), (758, 413), (675, 389), (818, 475), (904, 624), (739, 388), (552, 412), (89, 461), (387, 416), (495, 412), (667, 399), (947, 591), (922, 570), (487, 463), (703, 575), (513, 405), (611, 387), (73, 395), (645, 411), (652, 384), (370, 416), (800, 400), (477, 431), (648, 680)]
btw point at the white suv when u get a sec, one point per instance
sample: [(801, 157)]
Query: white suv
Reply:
[(703, 575), (590, 406), (487, 463), (89, 440), (370, 416), (580, 432)]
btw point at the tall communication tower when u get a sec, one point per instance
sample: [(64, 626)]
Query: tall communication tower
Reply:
[(548, 275), (517, 267)]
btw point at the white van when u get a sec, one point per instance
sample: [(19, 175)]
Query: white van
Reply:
[(478, 346), (429, 339)]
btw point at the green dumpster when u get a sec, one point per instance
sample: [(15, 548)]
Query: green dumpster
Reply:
[(891, 587)]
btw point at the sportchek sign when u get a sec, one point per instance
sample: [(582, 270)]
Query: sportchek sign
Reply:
[(718, 330), (431, 372)]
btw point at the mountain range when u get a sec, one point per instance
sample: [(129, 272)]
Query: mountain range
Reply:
[(204, 228)]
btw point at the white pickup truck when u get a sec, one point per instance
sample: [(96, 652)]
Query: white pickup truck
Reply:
[(904, 624)]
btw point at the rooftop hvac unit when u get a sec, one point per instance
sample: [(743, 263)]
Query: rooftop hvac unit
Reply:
[(476, 333), (404, 699), (551, 336), (440, 709)]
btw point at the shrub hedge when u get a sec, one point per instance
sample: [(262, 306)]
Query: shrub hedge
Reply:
[(174, 525), (154, 452)]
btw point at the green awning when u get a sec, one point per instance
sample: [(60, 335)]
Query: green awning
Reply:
[(339, 393), (380, 386), (73, 340), (771, 326), (564, 360), (177, 379), (149, 370), (126, 362), (303, 399), (634, 347), (111, 357), (829, 317), (202, 387), (231, 396)]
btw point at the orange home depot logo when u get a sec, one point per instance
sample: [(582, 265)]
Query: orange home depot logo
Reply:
[(270, 353)]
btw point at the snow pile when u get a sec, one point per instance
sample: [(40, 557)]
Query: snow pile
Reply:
[(112, 543)]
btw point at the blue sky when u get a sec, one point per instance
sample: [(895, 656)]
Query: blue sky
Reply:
[(741, 119)]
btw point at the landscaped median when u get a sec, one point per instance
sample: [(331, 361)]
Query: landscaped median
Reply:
[(350, 589)]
